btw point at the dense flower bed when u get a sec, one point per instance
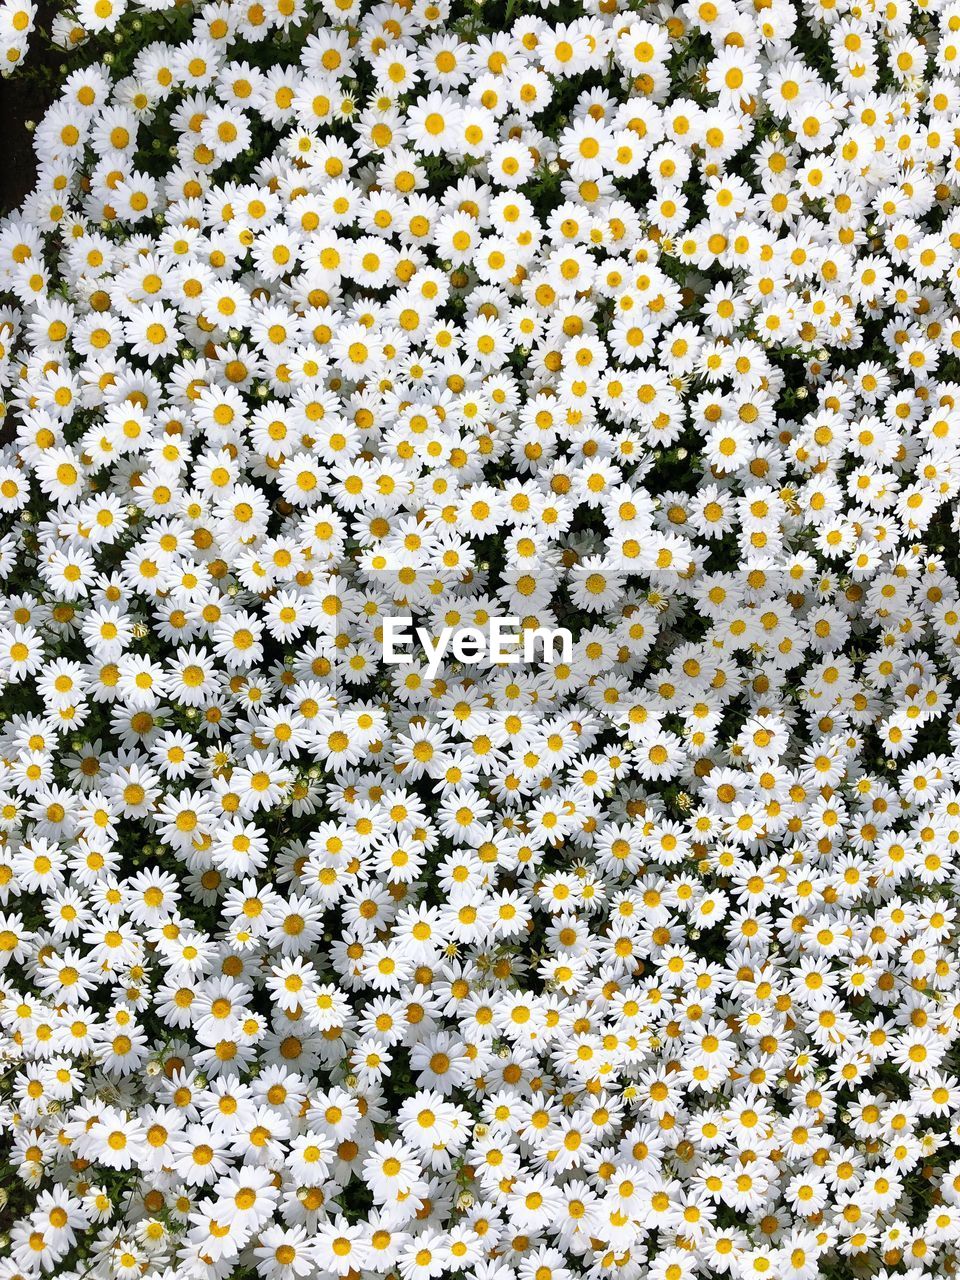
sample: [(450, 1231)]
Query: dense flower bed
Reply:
[(637, 322)]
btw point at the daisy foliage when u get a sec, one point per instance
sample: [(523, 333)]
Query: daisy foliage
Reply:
[(635, 322)]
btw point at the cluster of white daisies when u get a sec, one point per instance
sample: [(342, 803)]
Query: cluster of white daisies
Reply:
[(638, 324)]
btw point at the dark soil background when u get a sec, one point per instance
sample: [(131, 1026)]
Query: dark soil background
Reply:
[(25, 96)]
